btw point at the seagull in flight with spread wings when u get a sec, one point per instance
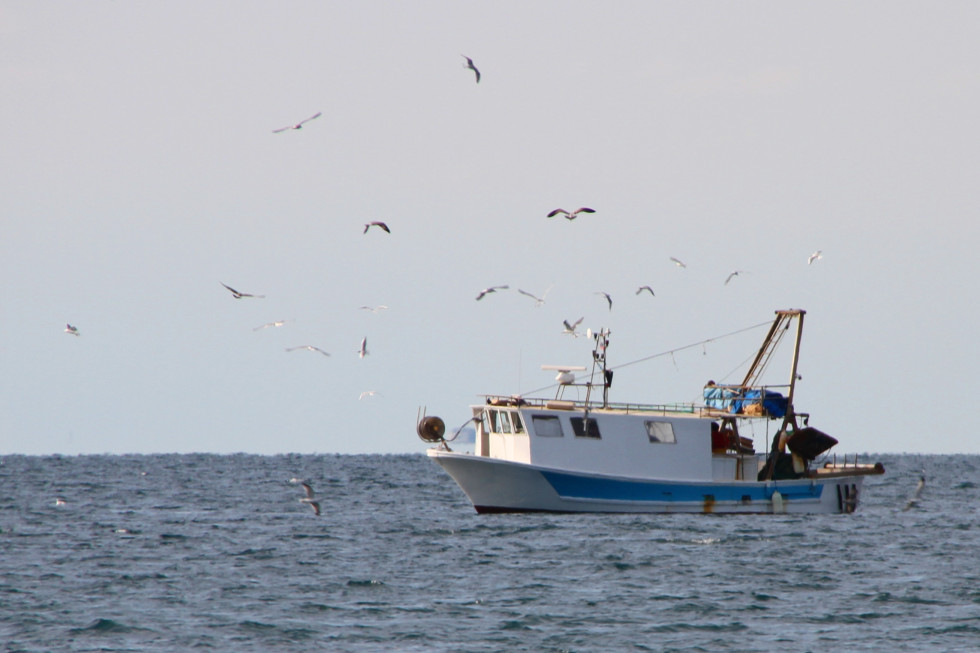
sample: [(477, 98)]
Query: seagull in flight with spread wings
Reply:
[(570, 328), (571, 215), (309, 348), (487, 291), (608, 298), (310, 498), (816, 256), (239, 295), (374, 309), (537, 300), (277, 323), (732, 275), (298, 125), (470, 66), (647, 288), (72, 330), (679, 263), (379, 224)]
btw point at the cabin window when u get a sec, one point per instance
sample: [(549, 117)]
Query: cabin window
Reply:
[(500, 421), (660, 432), (518, 423), (548, 426), (585, 427)]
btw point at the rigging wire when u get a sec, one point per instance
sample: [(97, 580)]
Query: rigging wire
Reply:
[(669, 352)]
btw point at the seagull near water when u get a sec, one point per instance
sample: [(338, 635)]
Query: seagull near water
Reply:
[(239, 295), (310, 498), (816, 256), (379, 224), (914, 501), (487, 291), (73, 330), (308, 348), (298, 125), (571, 215), (469, 65)]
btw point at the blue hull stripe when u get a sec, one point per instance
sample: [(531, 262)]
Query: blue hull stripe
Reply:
[(574, 486)]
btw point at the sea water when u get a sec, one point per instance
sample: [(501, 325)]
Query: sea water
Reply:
[(209, 552)]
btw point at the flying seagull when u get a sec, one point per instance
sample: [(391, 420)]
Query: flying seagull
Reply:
[(375, 309), (679, 263), (487, 291), (571, 215), (537, 300), (914, 501), (362, 351), (816, 256), (309, 348), (647, 288), (72, 330), (608, 298), (377, 223), (239, 295), (570, 328), (277, 323), (310, 498), (367, 393), (732, 274), (469, 64), (298, 125)]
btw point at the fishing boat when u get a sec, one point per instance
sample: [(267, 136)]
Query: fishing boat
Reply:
[(592, 455)]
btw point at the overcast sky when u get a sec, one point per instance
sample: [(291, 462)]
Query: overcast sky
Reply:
[(140, 172)]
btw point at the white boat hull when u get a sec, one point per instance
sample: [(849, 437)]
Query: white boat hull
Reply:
[(496, 485)]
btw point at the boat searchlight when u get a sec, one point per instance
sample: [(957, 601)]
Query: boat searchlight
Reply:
[(565, 376)]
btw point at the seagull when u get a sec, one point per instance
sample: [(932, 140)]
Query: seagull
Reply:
[(570, 328), (678, 262), (60, 501), (733, 273), (816, 256), (608, 298), (310, 497), (277, 323), (487, 291), (367, 393), (308, 347), (537, 300), (298, 125), (72, 330), (469, 64), (914, 501), (374, 310), (239, 295), (377, 223), (362, 351), (647, 288), (573, 214)]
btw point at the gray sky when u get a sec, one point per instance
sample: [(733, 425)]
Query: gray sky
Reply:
[(140, 171)]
